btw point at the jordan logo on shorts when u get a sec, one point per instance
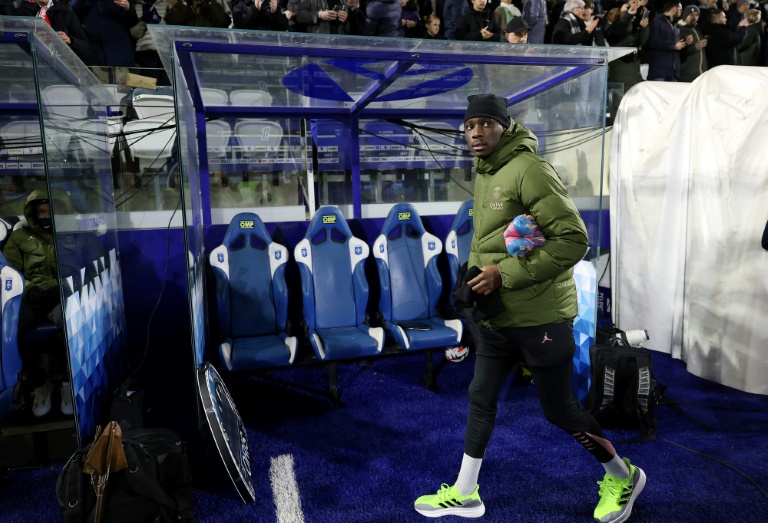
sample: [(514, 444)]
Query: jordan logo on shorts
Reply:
[(546, 338)]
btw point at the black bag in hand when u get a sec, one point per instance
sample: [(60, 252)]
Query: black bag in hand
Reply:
[(483, 307)]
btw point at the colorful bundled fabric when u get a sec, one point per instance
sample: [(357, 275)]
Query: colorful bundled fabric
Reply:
[(523, 235)]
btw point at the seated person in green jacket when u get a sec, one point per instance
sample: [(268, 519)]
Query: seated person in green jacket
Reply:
[(30, 249)]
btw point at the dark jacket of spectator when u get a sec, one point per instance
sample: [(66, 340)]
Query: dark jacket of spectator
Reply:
[(663, 58), (505, 13), (625, 33), (425, 9), (61, 19), (693, 62), (721, 48), (107, 27), (535, 16), (571, 30), (734, 16), (6, 7), (452, 13), (749, 48), (554, 16), (356, 19), (309, 16), (383, 18), (198, 13), (293, 24), (246, 16), (472, 22), (410, 12)]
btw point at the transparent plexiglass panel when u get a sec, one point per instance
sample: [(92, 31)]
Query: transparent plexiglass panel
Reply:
[(297, 121), (55, 163)]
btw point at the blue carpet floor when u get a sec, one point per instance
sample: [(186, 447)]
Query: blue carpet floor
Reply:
[(395, 440)]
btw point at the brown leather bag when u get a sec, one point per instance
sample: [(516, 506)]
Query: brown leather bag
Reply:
[(105, 457)]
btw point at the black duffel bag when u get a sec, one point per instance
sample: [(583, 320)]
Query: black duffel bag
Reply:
[(140, 475)]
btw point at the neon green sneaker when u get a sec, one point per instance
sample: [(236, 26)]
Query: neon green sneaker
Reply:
[(618, 495), (449, 501)]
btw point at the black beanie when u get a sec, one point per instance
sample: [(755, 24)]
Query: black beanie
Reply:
[(488, 106)]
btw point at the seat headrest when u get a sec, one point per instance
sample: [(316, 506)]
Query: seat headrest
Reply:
[(330, 132), (19, 224), (402, 221), (462, 223), (328, 224), (386, 133), (246, 228)]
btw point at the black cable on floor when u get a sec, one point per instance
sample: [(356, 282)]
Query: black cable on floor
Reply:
[(737, 471)]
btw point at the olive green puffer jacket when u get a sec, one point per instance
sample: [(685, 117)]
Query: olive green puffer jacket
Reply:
[(30, 249), (536, 289)]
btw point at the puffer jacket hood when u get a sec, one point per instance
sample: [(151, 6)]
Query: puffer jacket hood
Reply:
[(517, 139), (62, 204)]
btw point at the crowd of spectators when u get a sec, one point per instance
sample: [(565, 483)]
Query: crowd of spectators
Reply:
[(678, 39)]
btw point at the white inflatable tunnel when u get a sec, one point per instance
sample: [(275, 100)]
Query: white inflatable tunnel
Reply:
[(689, 202)]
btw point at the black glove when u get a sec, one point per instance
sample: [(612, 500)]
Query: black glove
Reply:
[(149, 13), (485, 307)]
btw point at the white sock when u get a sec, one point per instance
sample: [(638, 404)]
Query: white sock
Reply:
[(617, 468), (470, 470)]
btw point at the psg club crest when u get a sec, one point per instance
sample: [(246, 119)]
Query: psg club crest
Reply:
[(431, 246), (304, 252), (278, 255), (220, 257), (358, 250)]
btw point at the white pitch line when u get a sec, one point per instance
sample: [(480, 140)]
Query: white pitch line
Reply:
[(285, 490)]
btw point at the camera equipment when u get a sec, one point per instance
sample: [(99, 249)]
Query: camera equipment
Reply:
[(635, 338)]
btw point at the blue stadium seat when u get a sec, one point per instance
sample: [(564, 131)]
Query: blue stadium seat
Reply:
[(335, 292), (252, 297), (406, 257), (459, 240), (10, 359)]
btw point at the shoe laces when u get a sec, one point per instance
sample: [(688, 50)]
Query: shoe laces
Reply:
[(39, 395), (445, 492), (612, 487)]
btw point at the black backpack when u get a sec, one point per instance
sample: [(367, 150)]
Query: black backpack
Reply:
[(156, 485), (623, 391)]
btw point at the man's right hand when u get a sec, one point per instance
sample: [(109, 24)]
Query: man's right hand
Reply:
[(487, 281), (680, 44), (327, 15)]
